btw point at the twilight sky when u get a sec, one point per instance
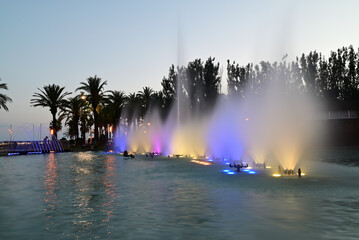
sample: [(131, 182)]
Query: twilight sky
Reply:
[(132, 44)]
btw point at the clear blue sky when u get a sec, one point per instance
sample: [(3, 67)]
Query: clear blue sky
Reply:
[(131, 44)]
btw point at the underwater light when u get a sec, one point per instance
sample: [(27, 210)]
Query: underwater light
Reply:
[(226, 170), (210, 160), (12, 154), (231, 173), (276, 175), (29, 153), (228, 163), (200, 162), (245, 170), (252, 172)]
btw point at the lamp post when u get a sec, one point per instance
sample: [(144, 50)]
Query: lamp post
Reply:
[(10, 132)]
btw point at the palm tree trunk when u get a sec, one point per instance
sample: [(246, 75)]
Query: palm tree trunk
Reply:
[(95, 116), (77, 127), (54, 124)]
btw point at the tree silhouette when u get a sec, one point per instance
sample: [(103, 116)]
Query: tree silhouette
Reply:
[(74, 108), (3, 98), (116, 101), (94, 89), (145, 98), (53, 97)]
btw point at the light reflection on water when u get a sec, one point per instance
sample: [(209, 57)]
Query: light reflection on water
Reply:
[(50, 186), (96, 196)]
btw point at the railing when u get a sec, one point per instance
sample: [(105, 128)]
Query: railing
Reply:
[(30, 147)]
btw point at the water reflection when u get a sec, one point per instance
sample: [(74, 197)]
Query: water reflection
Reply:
[(83, 170), (96, 196), (51, 178), (110, 202), (95, 193)]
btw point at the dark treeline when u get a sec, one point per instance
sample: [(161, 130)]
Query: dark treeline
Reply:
[(198, 85), (334, 79)]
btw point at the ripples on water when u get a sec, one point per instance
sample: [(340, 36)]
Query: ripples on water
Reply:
[(96, 196)]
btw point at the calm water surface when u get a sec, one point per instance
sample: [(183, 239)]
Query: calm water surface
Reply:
[(97, 196)]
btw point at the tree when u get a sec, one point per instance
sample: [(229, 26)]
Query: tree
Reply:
[(73, 109), (194, 84), (169, 85), (53, 97), (132, 105), (3, 98), (95, 95), (212, 82), (86, 121), (116, 102), (145, 99)]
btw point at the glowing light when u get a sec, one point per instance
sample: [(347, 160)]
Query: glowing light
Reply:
[(276, 175), (29, 153), (11, 154), (246, 119), (226, 170), (201, 162), (228, 163), (110, 129), (148, 124), (252, 172), (231, 173), (52, 131), (268, 166), (210, 160), (246, 170)]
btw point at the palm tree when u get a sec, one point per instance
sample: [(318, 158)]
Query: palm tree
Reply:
[(145, 97), (105, 116), (73, 109), (95, 94), (3, 98), (86, 121), (132, 105), (116, 101), (52, 96)]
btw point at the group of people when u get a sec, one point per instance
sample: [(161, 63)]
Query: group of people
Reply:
[(151, 154), (260, 165), (53, 138), (125, 154), (289, 171)]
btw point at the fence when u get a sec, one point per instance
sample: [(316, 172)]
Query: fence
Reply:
[(30, 147)]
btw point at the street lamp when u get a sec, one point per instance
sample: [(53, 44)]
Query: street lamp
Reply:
[(83, 96)]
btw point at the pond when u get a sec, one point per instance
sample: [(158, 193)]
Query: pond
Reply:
[(91, 195)]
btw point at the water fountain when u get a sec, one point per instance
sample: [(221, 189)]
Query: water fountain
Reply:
[(274, 128)]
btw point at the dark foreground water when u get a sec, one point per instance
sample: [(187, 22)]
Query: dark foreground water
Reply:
[(96, 196)]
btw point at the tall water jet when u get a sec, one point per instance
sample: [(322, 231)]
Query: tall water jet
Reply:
[(224, 137), (290, 123)]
